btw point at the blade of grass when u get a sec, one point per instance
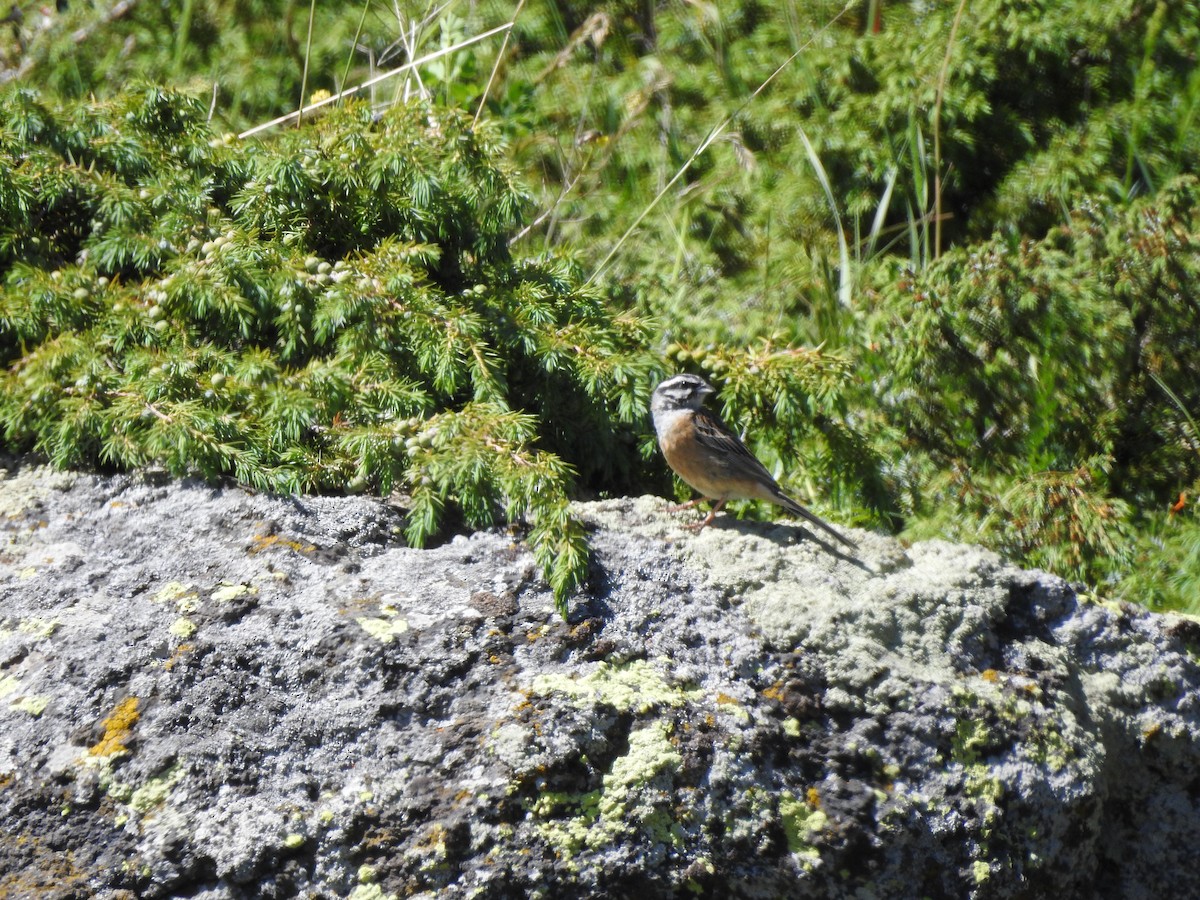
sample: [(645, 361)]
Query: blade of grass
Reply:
[(181, 36), (845, 279), (496, 65), (392, 73), (312, 14), (881, 212), (1179, 405), (362, 20), (937, 133), (707, 142)]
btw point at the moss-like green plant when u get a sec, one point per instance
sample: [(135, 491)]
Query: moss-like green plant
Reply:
[(1051, 382), (337, 309), (1043, 151)]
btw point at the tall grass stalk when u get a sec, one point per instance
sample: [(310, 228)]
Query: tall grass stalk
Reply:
[(371, 82), (496, 65), (181, 36), (362, 20), (711, 137), (937, 132), (845, 277), (1174, 398), (312, 14)]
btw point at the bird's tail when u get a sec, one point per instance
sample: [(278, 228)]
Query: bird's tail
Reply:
[(793, 507)]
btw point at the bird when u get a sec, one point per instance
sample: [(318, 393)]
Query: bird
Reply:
[(708, 456)]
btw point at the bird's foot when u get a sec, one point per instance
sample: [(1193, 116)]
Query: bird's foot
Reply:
[(700, 526)]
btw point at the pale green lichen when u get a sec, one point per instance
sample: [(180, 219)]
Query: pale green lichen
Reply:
[(981, 871), (971, 738), (182, 628), (28, 487), (384, 628), (142, 800), (651, 754), (38, 628), (1051, 749), (293, 841), (226, 591), (801, 821), (983, 784), (631, 687), (570, 835), (154, 792), (119, 791), (1043, 742), (184, 596), (627, 804), (171, 591), (34, 705)]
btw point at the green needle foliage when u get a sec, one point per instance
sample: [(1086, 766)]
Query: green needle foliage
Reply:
[(1042, 104), (249, 55), (335, 310), (987, 230), (1053, 381)]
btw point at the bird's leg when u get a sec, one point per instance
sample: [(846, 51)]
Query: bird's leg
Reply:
[(699, 526), (682, 506)]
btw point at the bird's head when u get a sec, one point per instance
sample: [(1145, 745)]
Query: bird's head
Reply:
[(681, 392)]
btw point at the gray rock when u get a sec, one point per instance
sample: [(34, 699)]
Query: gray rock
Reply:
[(210, 693)]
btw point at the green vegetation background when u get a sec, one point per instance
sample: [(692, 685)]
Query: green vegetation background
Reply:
[(939, 258)]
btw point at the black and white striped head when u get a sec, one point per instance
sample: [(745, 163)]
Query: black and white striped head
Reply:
[(680, 392)]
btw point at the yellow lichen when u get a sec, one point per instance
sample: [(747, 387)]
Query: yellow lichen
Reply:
[(118, 728), (172, 591), (774, 692), (182, 628), (38, 628), (636, 686), (266, 541), (35, 705), (386, 627), (226, 591), (801, 823), (179, 652), (9, 684)]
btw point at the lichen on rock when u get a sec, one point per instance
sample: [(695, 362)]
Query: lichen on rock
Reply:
[(743, 712)]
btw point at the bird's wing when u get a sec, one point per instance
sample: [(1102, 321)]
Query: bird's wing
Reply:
[(711, 432), (741, 463)]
